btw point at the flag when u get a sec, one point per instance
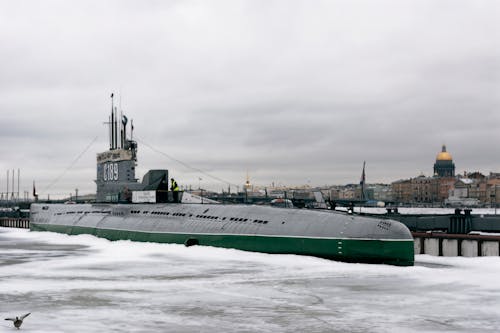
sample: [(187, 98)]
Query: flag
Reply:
[(34, 189), (124, 120)]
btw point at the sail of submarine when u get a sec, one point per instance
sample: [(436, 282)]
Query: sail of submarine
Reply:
[(325, 234)]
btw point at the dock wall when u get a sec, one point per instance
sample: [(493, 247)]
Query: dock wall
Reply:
[(12, 222), (453, 245)]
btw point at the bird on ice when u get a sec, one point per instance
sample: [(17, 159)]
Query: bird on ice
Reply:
[(18, 320)]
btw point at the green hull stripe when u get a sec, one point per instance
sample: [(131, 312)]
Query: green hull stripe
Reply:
[(395, 252)]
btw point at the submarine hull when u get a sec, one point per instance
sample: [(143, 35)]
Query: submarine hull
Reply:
[(329, 235)]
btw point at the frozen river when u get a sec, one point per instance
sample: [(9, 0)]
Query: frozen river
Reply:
[(87, 284)]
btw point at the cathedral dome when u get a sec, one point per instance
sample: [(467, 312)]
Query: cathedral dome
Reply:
[(444, 155), (444, 166)]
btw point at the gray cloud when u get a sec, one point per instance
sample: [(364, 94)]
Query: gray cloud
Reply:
[(292, 91)]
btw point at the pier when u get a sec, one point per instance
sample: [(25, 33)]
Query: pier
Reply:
[(12, 222), (453, 245)]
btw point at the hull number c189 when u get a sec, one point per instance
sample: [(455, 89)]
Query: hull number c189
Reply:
[(110, 171)]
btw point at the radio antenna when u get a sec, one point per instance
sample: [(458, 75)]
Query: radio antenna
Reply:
[(112, 125)]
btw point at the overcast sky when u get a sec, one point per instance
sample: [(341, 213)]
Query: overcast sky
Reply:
[(295, 92)]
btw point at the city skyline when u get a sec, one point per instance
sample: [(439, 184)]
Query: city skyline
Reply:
[(291, 92), (13, 183)]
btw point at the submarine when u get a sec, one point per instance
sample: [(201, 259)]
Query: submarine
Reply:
[(147, 211)]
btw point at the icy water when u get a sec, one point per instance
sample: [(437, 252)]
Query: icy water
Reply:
[(87, 284)]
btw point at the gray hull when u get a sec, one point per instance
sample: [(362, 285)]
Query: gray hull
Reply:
[(255, 228)]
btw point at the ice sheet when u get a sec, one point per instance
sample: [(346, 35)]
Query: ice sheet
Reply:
[(86, 284)]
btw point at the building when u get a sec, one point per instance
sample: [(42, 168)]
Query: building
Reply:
[(402, 191), (493, 189), (444, 186), (424, 189), (444, 166), (464, 193), (428, 190), (379, 192)]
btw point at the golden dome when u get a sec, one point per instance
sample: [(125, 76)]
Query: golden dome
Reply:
[(444, 155)]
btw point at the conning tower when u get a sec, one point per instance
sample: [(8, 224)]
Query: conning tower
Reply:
[(116, 180), (116, 167)]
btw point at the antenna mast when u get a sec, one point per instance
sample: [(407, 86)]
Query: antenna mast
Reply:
[(122, 138), (122, 125), (112, 126)]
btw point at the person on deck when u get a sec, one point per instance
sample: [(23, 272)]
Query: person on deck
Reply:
[(175, 189)]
